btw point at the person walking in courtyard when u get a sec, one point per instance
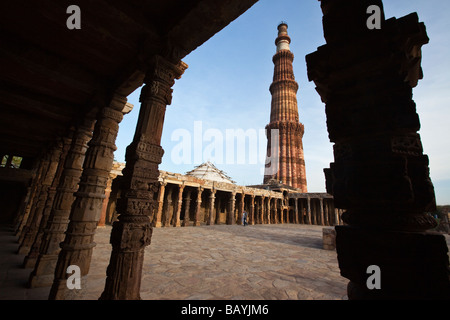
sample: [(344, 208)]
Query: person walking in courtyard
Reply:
[(244, 218)]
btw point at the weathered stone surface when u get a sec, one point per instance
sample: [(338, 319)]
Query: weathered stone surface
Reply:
[(285, 132), (380, 175)]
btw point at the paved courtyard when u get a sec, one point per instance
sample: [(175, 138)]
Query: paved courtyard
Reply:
[(222, 262), (261, 262)]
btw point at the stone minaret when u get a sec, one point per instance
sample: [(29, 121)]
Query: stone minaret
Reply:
[(286, 163)]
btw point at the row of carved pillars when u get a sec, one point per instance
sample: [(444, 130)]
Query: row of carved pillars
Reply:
[(180, 205), (59, 215), (314, 211)]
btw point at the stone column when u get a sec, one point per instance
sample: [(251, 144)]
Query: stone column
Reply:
[(231, 207), (132, 232), (27, 197), (198, 205), (283, 217), (241, 208), (263, 209), (76, 249), (35, 187), (308, 210), (218, 202), (380, 175), (44, 270), (252, 210), (296, 211), (266, 217), (187, 207), (102, 221), (51, 162), (168, 211), (30, 259), (161, 192), (212, 198), (301, 211), (176, 217), (322, 216)]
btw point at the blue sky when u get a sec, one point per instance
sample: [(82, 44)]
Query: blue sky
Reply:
[(226, 87)]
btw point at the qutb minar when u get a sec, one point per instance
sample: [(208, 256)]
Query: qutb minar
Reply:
[(288, 163)]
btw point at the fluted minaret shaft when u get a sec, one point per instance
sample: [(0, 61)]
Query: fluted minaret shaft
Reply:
[(286, 162)]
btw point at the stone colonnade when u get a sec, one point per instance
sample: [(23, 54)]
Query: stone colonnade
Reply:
[(56, 225), (186, 201)]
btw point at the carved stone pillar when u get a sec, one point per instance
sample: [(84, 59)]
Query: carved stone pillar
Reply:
[(35, 187), (322, 221), (176, 217), (168, 209), (380, 175), (280, 209), (187, 208), (198, 205), (44, 270), (31, 258), (308, 210), (252, 210), (132, 231), (336, 216), (161, 192), (263, 210), (241, 208), (212, 198), (51, 162), (300, 210), (231, 207), (218, 202), (76, 249), (266, 216), (296, 211), (102, 221)]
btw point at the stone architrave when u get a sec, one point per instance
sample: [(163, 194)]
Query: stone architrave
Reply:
[(380, 175), (76, 249), (132, 232), (54, 233)]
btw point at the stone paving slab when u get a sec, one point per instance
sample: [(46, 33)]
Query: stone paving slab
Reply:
[(261, 262)]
